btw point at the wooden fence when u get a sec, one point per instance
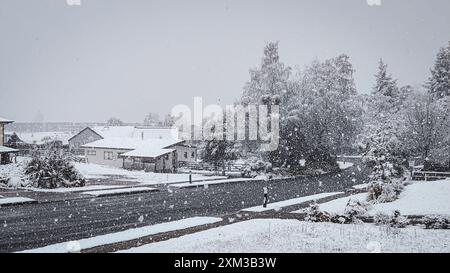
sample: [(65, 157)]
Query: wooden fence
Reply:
[(202, 166), (422, 175)]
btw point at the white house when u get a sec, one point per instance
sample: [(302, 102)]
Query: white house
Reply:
[(4, 151), (184, 152), (88, 134), (157, 155)]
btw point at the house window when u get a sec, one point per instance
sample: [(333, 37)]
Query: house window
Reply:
[(91, 152), (185, 154), (192, 154), (108, 156)]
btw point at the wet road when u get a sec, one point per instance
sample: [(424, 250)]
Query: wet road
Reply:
[(35, 225)]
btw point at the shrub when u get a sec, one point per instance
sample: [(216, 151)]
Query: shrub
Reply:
[(382, 192), (254, 167), (314, 214), (356, 209), (396, 220), (53, 171), (436, 222)]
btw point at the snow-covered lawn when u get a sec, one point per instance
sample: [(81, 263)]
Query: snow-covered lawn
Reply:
[(420, 198), (15, 200), (123, 236), (290, 202), (93, 171), (110, 192), (276, 235)]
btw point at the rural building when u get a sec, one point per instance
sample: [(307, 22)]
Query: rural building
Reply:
[(184, 151), (156, 155), (5, 152), (88, 134)]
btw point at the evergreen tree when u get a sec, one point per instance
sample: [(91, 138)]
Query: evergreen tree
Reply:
[(439, 81), (270, 79), (385, 84)]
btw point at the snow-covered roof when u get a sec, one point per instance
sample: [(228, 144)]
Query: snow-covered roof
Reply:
[(4, 149), (147, 152), (137, 147), (131, 143), (40, 138), (136, 132), (4, 120)]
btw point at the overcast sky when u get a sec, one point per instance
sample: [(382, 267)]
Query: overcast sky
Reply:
[(125, 58)]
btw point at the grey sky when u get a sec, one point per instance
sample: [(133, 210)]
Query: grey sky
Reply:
[(125, 58)]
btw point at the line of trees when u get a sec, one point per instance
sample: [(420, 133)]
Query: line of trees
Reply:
[(323, 115)]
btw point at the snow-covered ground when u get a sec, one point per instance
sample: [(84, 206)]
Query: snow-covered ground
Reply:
[(207, 183), (15, 200), (276, 235), (110, 192), (122, 236), (94, 171), (420, 198), (79, 189), (290, 202)]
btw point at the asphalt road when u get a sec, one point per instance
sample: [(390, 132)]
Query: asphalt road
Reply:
[(35, 225)]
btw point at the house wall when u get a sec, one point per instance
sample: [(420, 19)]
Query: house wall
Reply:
[(99, 157), (84, 137), (166, 163), (2, 134), (183, 150), (2, 137)]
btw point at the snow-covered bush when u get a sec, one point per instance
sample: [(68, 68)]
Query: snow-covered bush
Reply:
[(52, 170), (13, 175), (356, 209), (436, 222), (354, 212), (256, 166), (384, 155), (396, 220), (382, 192), (314, 214)]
